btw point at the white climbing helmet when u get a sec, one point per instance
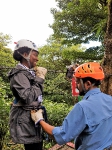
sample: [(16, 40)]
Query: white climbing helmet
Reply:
[(25, 43)]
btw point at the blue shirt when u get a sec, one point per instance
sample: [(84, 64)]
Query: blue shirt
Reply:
[(90, 118)]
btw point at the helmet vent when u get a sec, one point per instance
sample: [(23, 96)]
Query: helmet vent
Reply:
[(88, 65), (82, 67), (34, 44)]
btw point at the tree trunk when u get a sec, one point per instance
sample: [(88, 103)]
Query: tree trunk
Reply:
[(106, 85)]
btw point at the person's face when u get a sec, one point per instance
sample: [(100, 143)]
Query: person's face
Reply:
[(87, 86), (33, 58), (79, 86)]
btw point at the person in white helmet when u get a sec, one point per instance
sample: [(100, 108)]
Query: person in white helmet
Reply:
[(27, 89)]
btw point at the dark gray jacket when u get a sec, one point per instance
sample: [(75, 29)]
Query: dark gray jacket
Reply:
[(26, 88)]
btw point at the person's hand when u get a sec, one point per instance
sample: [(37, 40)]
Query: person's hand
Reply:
[(37, 116), (40, 72)]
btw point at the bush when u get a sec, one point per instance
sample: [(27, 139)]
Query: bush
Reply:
[(4, 112), (56, 112)]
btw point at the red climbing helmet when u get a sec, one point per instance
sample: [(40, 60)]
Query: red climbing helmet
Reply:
[(90, 69)]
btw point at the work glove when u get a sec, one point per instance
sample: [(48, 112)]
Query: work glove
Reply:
[(40, 72), (37, 116)]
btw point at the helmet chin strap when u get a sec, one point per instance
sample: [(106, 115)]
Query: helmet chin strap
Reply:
[(27, 58), (84, 90)]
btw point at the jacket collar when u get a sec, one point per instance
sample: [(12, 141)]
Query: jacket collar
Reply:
[(91, 92)]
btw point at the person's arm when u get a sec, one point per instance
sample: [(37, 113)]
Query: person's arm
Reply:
[(22, 87), (73, 125), (46, 127), (37, 117)]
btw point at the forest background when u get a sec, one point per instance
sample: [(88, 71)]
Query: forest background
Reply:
[(75, 22)]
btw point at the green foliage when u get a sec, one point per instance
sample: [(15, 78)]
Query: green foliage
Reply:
[(12, 146), (6, 59), (56, 112), (4, 111), (5, 93), (80, 21), (58, 89), (79, 54), (50, 56), (4, 39)]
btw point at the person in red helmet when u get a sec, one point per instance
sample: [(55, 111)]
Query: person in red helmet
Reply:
[(89, 123), (26, 85)]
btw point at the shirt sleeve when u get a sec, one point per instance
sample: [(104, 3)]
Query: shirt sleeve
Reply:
[(72, 126), (22, 88)]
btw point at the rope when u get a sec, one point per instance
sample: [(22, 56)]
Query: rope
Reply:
[(54, 71)]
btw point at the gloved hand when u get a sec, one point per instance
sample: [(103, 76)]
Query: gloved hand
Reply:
[(37, 116), (40, 72)]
